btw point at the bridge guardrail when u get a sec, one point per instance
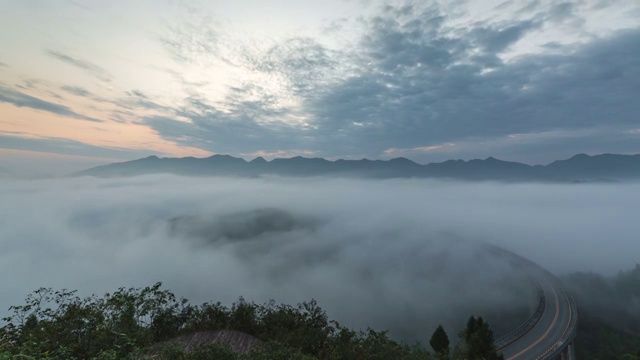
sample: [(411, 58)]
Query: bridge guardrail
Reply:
[(525, 327), (569, 333)]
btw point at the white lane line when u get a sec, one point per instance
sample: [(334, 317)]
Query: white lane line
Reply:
[(553, 323), (563, 333)]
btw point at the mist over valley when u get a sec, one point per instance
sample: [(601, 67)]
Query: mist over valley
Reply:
[(403, 254)]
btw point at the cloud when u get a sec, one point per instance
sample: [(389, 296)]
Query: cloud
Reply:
[(76, 90), (69, 147), (394, 152), (400, 254), (135, 100), (91, 68), (79, 5), (226, 134), (194, 37), (418, 77), (33, 84), (423, 83), (303, 62), (496, 39), (247, 121), (20, 99), (279, 154), (532, 148)]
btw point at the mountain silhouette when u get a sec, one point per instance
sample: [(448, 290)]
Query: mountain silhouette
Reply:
[(581, 167)]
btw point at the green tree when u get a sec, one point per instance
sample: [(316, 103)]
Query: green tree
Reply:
[(478, 341), (440, 342)]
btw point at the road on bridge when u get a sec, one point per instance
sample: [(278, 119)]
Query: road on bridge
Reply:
[(553, 326)]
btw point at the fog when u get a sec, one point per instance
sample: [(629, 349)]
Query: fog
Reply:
[(403, 255)]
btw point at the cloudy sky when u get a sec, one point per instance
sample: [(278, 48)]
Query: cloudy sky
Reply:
[(88, 82)]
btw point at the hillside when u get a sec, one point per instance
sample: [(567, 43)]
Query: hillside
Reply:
[(609, 326)]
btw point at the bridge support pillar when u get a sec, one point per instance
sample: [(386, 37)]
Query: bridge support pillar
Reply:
[(567, 353), (570, 353)]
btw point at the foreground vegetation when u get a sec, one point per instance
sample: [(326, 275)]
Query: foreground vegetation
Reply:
[(130, 323), (599, 341), (609, 315)]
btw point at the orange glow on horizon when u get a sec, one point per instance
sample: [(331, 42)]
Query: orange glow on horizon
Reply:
[(26, 122)]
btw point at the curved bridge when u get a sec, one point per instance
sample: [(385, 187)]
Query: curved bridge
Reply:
[(549, 332)]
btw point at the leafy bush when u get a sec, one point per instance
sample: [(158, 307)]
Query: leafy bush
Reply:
[(54, 325)]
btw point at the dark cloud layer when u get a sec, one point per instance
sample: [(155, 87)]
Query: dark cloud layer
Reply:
[(425, 89), (69, 147), (20, 99), (400, 254), (413, 80), (425, 81)]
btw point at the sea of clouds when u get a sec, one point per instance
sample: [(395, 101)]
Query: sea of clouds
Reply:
[(403, 255)]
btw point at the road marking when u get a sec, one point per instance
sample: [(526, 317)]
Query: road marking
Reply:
[(553, 323), (537, 318), (565, 329)]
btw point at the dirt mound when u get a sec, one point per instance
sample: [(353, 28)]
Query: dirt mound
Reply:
[(237, 341)]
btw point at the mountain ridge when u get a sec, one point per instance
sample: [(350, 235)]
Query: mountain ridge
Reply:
[(578, 168)]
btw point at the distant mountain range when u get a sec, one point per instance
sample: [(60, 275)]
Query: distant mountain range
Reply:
[(606, 167)]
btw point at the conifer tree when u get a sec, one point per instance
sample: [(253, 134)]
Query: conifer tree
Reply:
[(440, 342)]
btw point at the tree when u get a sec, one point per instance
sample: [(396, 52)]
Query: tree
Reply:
[(133, 323), (478, 340), (440, 342)]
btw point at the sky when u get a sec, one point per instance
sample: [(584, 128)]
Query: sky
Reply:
[(92, 82), (410, 247)]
